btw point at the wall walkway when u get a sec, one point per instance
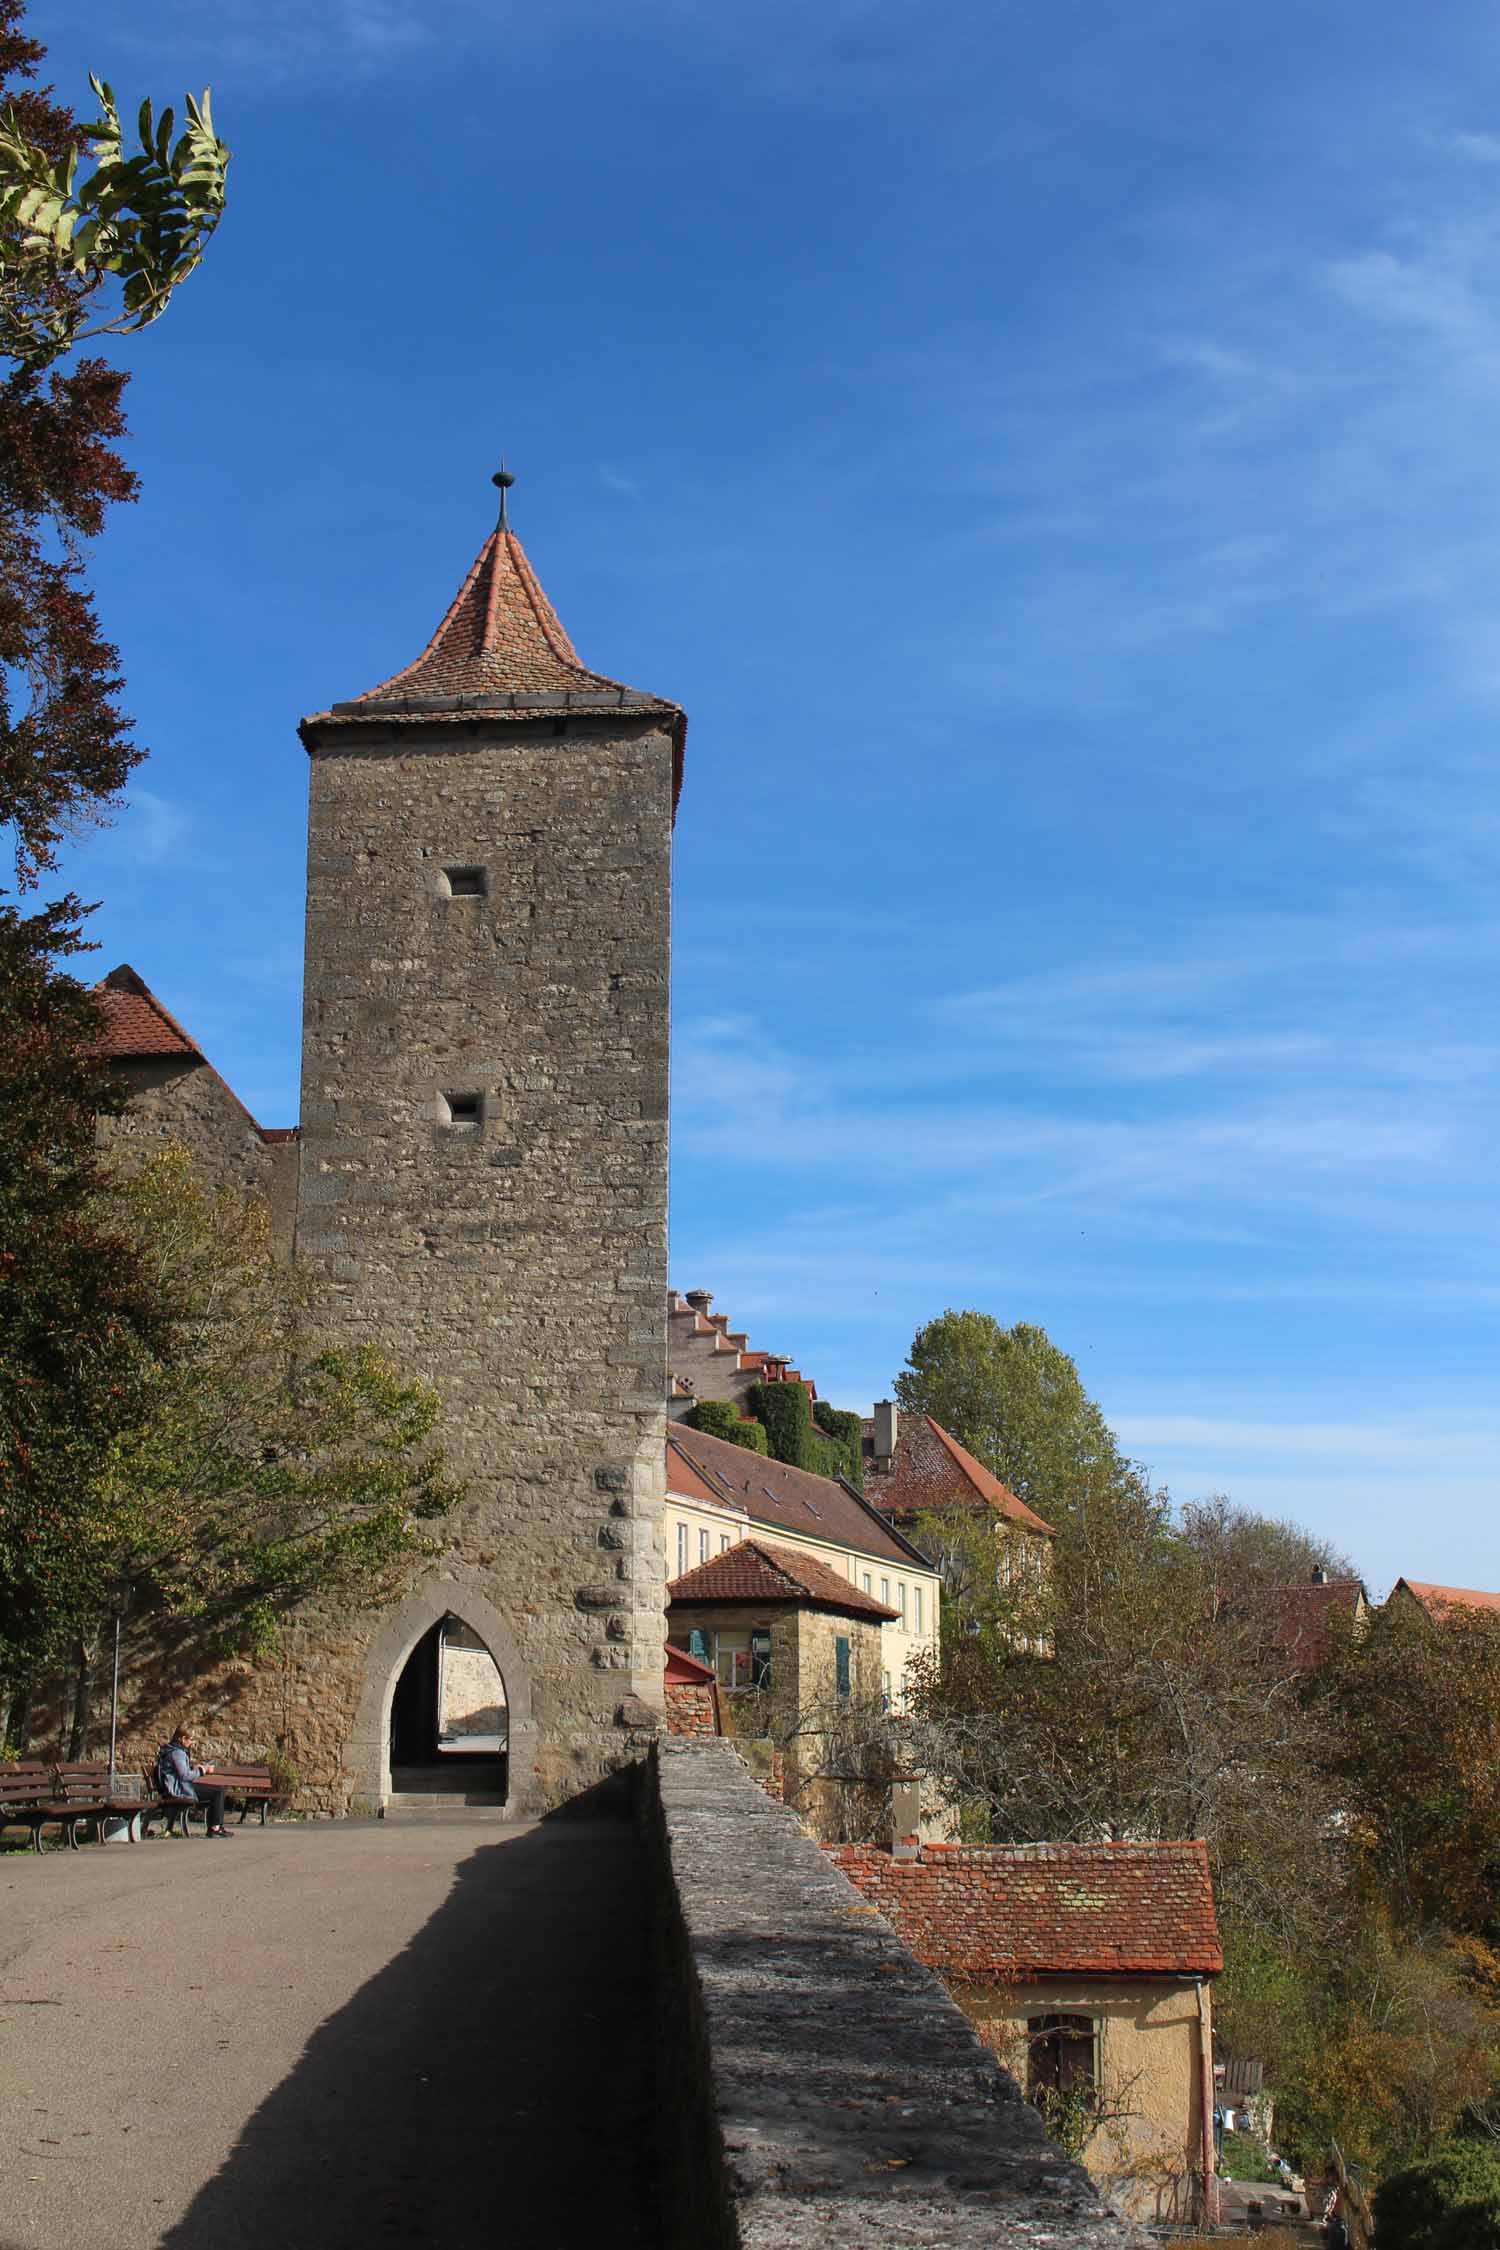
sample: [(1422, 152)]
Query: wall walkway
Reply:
[(824, 2089)]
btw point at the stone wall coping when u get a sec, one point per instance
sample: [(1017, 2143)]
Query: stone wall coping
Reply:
[(854, 2103)]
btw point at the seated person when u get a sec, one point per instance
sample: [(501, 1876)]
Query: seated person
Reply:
[(177, 1776)]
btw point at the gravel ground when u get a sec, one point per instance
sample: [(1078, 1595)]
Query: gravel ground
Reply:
[(343, 2033)]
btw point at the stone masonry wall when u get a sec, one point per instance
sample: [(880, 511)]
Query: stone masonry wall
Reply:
[(818, 2089), (175, 1100), (517, 1263)]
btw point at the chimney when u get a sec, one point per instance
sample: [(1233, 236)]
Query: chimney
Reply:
[(906, 1817), (1320, 1575), (885, 1432), (700, 1299)]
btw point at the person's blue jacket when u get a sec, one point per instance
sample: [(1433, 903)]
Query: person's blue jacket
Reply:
[(175, 1771)]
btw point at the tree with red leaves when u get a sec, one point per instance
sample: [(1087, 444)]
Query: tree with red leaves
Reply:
[(77, 1316)]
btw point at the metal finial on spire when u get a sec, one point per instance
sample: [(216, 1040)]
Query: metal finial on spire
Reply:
[(505, 480)]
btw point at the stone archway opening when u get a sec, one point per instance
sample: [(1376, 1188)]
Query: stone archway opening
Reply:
[(450, 1719)]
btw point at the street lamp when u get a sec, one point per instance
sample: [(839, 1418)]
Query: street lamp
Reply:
[(119, 1597)]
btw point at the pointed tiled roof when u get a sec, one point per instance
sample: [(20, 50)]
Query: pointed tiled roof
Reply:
[(931, 1470), (753, 1571), (135, 1022), (137, 1026), (500, 652), (1438, 1599)]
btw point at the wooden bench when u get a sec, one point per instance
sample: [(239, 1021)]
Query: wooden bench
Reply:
[(245, 1786), (29, 1799), (93, 1794)]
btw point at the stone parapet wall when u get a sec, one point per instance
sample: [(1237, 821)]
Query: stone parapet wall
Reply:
[(819, 2088)]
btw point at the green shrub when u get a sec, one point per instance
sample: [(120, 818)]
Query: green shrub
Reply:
[(1450, 2202), (787, 1415), (718, 1417), (843, 1432)]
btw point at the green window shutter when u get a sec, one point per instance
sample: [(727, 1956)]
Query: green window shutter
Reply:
[(698, 1644), (841, 1663)]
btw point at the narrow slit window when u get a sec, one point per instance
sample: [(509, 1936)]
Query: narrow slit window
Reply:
[(465, 882), (464, 1109)]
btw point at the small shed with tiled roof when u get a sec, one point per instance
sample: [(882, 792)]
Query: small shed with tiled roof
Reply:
[(1085, 1967)]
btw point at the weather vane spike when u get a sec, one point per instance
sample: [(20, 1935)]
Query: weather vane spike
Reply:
[(505, 480)]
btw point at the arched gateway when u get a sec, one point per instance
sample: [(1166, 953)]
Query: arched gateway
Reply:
[(421, 1630)]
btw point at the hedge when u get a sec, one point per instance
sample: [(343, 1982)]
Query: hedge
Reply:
[(719, 1417), (845, 1433)]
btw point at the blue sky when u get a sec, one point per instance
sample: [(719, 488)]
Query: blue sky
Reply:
[(1052, 451)]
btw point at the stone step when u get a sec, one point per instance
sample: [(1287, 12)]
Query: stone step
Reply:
[(486, 1801)]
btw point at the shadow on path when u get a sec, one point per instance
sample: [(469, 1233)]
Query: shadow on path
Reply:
[(490, 2087)]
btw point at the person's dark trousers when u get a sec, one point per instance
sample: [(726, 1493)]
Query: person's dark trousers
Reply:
[(209, 1793)]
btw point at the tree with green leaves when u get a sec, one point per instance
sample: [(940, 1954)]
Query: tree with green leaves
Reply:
[(1416, 1764), (1016, 1401), (253, 1470)]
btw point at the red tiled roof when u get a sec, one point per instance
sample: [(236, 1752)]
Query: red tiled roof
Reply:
[(500, 639), (137, 1026), (1435, 1599), (785, 1498), (932, 1470), (752, 1571), (1301, 1619), (685, 1670), (1009, 1913), (135, 1022)]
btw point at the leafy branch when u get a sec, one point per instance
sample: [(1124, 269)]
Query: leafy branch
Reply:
[(142, 219)]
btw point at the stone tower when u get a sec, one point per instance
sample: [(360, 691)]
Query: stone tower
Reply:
[(483, 1182)]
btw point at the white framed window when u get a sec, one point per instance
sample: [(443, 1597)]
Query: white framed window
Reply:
[(901, 1598), (703, 1546), (917, 1591), (723, 1542), (867, 1582), (681, 1548), (885, 1592)]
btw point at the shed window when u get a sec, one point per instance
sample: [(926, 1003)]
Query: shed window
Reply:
[(465, 882), (841, 1665), (760, 1657), (1060, 2057)]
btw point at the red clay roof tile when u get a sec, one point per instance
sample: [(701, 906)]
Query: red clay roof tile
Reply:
[(753, 1571), (932, 1470), (773, 1493), (1436, 1599), (1012, 1913), (135, 1022)]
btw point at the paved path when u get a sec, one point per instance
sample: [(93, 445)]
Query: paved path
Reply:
[(326, 2036)]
